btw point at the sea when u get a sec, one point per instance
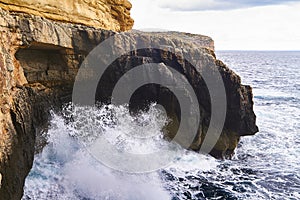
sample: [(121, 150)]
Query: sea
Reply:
[(265, 166)]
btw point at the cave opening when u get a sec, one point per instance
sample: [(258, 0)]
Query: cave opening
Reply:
[(49, 65)]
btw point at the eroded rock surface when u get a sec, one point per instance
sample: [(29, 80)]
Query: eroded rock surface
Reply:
[(106, 14), (39, 59), (32, 82)]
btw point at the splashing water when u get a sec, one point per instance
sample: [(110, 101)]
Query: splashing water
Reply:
[(66, 170)]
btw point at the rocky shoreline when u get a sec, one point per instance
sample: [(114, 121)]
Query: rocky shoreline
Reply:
[(39, 60)]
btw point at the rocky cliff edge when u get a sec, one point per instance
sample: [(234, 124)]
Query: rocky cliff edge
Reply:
[(40, 58)]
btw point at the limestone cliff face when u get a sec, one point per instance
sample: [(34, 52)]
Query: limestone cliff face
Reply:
[(106, 14), (40, 58), (37, 67)]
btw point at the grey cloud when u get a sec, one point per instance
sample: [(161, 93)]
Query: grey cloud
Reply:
[(202, 5)]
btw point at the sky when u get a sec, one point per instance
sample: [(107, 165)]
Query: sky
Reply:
[(233, 24)]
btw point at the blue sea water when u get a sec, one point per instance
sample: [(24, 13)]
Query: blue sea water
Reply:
[(265, 166)]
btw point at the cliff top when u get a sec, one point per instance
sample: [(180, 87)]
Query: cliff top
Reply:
[(195, 39)]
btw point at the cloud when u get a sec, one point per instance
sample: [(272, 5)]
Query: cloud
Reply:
[(202, 5)]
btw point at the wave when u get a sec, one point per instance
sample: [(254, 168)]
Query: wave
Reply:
[(66, 170)]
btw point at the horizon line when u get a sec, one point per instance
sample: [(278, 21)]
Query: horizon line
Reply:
[(278, 50)]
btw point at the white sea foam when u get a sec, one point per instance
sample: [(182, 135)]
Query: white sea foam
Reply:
[(66, 170)]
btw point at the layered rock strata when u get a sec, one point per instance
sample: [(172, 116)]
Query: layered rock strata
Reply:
[(106, 14)]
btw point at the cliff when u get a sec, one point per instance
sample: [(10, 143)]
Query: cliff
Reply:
[(106, 14), (40, 58)]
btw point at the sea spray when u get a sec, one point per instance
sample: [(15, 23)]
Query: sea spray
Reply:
[(66, 170)]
